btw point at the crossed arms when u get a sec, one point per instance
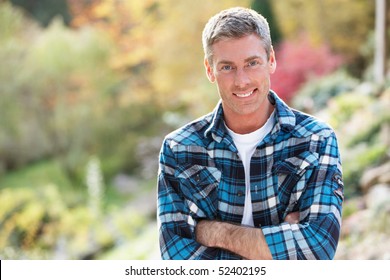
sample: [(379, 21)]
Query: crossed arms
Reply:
[(244, 241), (188, 232)]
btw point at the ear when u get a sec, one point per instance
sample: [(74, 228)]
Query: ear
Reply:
[(272, 61), (209, 71)]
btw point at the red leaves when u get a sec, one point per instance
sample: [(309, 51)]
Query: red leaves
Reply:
[(297, 62)]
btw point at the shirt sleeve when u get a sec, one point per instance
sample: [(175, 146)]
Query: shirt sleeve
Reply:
[(176, 225), (320, 206)]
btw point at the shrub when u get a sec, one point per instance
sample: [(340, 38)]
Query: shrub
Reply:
[(66, 101), (315, 94), (361, 122), (299, 61), (38, 223)]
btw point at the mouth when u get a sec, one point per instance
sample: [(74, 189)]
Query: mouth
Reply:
[(244, 94)]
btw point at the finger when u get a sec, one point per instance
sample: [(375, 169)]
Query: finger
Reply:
[(292, 218)]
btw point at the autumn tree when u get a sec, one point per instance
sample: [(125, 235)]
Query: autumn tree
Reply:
[(158, 47), (344, 25)]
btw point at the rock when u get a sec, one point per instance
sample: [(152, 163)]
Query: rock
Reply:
[(126, 184), (365, 233), (355, 224), (375, 175), (147, 154), (384, 178), (384, 134), (146, 203), (377, 196)]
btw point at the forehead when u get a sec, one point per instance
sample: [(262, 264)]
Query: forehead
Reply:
[(238, 50)]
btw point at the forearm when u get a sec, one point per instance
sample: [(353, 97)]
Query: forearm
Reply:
[(244, 241)]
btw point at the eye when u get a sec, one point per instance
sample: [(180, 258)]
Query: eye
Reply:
[(226, 68), (253, 63)]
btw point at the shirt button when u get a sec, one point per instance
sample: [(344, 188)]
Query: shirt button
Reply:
[(240, 193), (197, 178)]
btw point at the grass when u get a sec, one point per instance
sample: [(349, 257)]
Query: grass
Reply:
[(36, 175), (49, 172), (41, 174)]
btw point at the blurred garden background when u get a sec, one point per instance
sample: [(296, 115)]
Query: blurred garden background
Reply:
[(89, 88)]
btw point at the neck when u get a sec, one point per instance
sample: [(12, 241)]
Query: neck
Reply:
[(244, 124)]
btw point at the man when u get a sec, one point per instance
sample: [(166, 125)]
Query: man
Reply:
[(254, 179)]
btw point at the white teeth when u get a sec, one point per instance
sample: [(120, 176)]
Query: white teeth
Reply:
[(244, 94)]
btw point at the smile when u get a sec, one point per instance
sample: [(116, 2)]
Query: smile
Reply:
[(243, 95)]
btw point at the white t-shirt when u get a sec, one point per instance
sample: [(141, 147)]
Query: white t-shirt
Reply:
[(246, 145)]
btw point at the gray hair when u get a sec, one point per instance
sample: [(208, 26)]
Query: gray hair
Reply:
[(235, 23)]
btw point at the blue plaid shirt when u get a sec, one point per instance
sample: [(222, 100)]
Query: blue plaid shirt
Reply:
[(296, 167)]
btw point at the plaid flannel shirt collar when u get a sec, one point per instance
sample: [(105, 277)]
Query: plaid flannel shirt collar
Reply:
[(285, 119)]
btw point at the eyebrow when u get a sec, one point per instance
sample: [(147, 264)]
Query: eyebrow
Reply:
[(246, 60), (252, 58)]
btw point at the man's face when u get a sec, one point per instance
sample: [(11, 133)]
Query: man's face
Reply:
[(242, 72)]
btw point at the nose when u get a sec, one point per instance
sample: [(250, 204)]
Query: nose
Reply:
[(241, 79)]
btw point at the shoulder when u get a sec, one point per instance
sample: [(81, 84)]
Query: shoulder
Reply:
[(308, 125), (298, 123), (191, 133)]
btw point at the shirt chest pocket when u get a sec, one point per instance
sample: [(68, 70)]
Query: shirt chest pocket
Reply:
[(291, 177), (199, 185)]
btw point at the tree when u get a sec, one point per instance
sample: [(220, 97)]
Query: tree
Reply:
[(344, 25), (44, 10), (158, 47), (298, 61), (265, 8)]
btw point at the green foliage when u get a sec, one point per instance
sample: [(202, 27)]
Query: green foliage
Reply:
[(358, 113), (265, 8), (363, 137), (35, 175), (67, 102), (66, 105), (344, 106), (11, 22), (44, 10), (44, 109), (354, 165), (96, 96), (350, 208), (39, 223), (316, 93), (343, 25), (22, 213), (370, 134)]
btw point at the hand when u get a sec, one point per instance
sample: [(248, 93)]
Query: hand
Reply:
[(292, 218)]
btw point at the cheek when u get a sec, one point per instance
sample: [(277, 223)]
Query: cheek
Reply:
[(262, 77), (223, 82)]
